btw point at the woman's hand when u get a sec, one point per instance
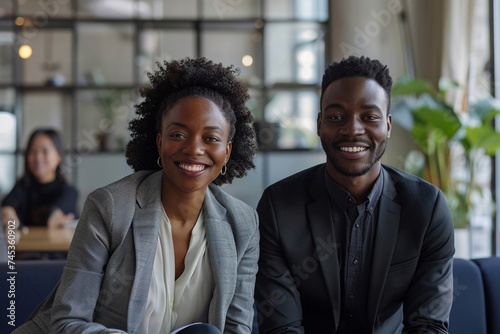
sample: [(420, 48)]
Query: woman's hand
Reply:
[(58, 219), (8, 215)]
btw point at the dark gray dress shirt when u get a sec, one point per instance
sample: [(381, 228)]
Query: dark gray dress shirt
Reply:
[(354, 229)]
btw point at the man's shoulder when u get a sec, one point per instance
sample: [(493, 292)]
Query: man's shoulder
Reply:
[(406, 182), (299, 179)]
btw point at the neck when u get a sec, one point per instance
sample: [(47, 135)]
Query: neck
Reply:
[(45, 179), (182, 210), (358, 186)]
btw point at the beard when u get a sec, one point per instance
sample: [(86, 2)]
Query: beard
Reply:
[(377, 155)]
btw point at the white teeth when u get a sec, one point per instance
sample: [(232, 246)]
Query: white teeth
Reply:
[(352, 149), (192, 168)]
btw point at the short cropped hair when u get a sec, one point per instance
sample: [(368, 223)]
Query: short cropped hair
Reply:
[(359, 67)]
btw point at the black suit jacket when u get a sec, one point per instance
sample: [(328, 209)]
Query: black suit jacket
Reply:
[(298, 284)]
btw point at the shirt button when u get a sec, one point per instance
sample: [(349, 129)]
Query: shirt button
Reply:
[(355, 261), (357, 225), (351, 296)]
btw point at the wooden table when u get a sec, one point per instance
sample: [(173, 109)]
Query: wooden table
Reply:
[(36, 238)]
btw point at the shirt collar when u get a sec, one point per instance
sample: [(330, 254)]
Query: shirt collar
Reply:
[(340, 196)]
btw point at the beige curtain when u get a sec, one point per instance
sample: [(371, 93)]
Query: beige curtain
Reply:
[(457, 58), (425, 22)]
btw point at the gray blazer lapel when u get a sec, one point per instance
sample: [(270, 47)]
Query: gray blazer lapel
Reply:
[(320, 221), (222, 256), (385, 240), (145, 225)]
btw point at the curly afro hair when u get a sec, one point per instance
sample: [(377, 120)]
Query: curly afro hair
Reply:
[(359, 67), (188, 77)]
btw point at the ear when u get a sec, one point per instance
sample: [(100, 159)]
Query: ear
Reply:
[(59, 159), (389, 125), (229, 147), (318, 123), (158, 142)]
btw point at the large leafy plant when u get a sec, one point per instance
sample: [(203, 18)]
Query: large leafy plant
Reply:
[(446, 138)]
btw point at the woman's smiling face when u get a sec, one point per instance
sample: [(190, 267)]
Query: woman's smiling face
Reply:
[(193, 144), (43, 158)]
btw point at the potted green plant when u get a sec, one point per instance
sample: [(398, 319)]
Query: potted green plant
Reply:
[(445, 137), (104, 99)]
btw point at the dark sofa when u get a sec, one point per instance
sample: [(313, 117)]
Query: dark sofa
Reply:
[(476, 293), (475, 310)]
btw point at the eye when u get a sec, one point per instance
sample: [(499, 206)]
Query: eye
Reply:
[(213, 139), (372, 117), (335, 117), (177, 135)]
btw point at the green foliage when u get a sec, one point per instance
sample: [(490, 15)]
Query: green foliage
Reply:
[(436, 127)]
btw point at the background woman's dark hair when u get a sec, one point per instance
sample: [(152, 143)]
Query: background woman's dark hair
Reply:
[(175, 80), (56, 138), (359, 67)]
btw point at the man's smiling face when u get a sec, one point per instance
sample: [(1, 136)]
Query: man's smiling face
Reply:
[(354, 126)]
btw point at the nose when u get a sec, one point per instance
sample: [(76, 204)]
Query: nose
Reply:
[(36, 155), (194, 146), (352, 127)]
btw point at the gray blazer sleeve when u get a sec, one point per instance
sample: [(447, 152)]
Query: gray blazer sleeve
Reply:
[(79, 287), (239, 318)]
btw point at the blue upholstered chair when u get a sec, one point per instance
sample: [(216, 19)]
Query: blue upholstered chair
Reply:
[(468, 312), (34, 281), (490, 268)]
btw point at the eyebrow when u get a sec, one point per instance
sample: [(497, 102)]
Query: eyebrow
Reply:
[(334, 106), (364, 106), (371, 106), (182, 125)]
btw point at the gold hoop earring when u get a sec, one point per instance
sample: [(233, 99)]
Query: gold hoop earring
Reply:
[(224, 170), (158, 162)]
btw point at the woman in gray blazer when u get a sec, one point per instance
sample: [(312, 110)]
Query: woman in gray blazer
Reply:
[(165, 247)]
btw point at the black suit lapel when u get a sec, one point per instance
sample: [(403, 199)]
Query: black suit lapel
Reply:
[(320, 222), (385, 240)]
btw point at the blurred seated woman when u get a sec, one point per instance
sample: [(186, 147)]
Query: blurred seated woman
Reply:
[(42, 196), (165, 247)]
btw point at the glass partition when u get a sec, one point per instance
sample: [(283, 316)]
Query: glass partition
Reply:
[(114, 63), (47, 109), (295, 53), (50, 63), (157, 45), (230, 9), (314, 10), (103, 116), (6, 54), (244, 52), (168, 9), (290, 119)]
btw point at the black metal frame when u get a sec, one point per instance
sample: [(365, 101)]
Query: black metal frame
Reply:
[(198, 25)]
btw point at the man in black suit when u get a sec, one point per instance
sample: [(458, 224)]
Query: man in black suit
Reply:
[(354, 246)]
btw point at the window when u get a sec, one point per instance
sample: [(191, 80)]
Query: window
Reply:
[(89, 56), (495, 30)]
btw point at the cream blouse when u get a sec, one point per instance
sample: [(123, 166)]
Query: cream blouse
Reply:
[(174, 303)]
